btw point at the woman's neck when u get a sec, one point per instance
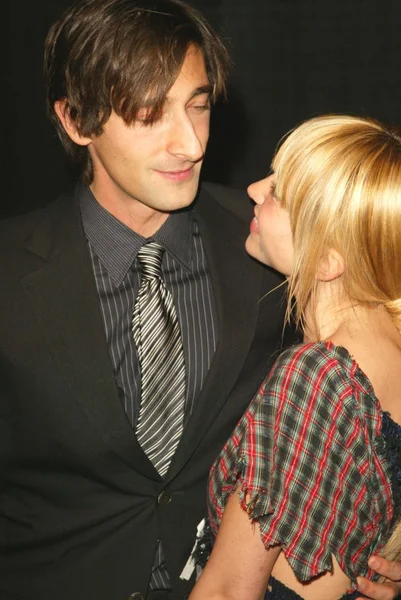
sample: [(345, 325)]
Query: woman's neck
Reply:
[(336, 315)]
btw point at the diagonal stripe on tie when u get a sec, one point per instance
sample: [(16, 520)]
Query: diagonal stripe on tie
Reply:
[(157, 336)]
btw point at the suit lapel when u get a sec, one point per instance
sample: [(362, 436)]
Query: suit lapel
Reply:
[(63, 297), (236, 283)]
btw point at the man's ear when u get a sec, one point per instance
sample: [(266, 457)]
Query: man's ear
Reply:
[(331, 266), (62, 111)]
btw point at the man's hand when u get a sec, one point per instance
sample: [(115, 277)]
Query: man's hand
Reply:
[(382, 591)]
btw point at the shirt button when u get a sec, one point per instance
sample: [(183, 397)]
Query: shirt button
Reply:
[(164, 497), (136, 596)]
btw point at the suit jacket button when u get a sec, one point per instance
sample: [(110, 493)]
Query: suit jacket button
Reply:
[(164, 497), (136, 596)]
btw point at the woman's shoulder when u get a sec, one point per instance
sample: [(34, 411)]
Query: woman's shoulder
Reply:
[(324, 373), (322, 350), (322, 359)]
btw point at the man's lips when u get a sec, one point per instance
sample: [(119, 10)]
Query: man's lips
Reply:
[(181, 175)]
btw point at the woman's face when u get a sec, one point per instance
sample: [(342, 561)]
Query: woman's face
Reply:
[(270, 237)]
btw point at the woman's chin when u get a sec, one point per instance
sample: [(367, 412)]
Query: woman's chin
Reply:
[(254, 251)]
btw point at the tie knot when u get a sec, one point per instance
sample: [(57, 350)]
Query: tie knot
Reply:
[(150, 258)]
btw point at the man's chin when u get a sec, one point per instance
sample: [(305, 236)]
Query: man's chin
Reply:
[(184, 197)]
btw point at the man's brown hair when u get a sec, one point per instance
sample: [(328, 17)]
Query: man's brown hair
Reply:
[(120, 55)]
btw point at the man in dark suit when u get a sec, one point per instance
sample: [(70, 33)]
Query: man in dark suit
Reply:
[(85, 511)]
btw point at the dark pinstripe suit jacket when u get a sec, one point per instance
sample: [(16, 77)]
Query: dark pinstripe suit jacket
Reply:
[(79, 509)]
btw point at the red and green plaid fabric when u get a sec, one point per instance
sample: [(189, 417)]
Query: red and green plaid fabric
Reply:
[(309, 457)]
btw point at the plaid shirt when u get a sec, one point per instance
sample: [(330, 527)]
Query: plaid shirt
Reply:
[(309, 458)]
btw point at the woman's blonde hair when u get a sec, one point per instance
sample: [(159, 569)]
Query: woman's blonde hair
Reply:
[(340, 179)]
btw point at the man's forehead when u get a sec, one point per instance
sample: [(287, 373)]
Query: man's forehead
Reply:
[(192, 78), (191, 81)]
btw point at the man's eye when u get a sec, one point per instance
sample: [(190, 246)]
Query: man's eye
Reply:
[(201, 107)]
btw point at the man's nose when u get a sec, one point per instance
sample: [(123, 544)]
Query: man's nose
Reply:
[(184, 139)]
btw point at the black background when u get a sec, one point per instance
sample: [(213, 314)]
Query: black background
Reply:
[(292, 60)]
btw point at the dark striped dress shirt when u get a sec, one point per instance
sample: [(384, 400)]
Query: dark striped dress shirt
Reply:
[(113, 249)]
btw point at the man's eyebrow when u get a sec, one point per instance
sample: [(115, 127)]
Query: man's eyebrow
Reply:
[(203, 89), (148, 103)]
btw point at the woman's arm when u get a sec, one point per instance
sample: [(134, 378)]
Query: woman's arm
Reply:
[(240, 565)]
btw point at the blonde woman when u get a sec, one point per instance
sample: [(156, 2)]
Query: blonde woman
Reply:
[(309, 484)]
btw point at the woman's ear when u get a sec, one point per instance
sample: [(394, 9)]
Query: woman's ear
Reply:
[(62, 111), (331, 266)]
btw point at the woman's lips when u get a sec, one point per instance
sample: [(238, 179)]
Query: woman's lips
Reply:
[(254, 226)]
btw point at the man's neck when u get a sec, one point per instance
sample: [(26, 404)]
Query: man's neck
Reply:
[(142, 219)]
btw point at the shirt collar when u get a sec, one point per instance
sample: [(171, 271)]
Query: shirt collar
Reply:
[(117, 245)]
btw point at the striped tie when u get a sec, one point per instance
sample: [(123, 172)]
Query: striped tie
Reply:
[(157, 336)]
